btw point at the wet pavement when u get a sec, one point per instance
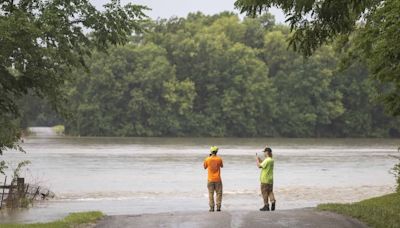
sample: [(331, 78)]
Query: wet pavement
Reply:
[(299, 218)]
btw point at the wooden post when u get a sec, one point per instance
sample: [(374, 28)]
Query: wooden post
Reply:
[(2, 195), (10, 195), (20, 190), (20, 186)]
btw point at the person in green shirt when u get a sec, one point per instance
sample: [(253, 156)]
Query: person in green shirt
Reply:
[(267, 178)]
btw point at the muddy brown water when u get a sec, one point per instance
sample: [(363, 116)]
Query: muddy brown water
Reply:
[(155, 175)]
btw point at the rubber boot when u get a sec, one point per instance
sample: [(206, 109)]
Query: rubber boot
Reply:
[(273, 206), (265, 208)]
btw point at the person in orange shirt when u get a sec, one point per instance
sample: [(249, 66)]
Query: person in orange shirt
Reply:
[(214, 164)]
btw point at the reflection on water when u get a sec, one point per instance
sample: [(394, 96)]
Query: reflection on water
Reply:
[(149, 175)]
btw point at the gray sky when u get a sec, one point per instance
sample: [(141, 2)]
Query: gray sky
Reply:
[(180, 8)]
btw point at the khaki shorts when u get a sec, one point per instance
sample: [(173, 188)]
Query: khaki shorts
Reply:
[(267, 193)]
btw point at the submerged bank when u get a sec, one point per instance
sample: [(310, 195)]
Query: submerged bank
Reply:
[(82, 219)]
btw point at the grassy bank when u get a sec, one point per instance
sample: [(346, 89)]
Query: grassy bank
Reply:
[(59, 129), (380, 212), (72, 220)]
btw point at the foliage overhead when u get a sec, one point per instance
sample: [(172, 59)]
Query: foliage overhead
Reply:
[(375, 25), (41, 41), (314, 22)]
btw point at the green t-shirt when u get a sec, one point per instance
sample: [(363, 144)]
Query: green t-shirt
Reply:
[(267, 171)]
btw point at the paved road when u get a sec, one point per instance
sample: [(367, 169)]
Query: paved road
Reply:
[(297, 218)]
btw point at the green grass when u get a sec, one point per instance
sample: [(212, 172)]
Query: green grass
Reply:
[(72, 220), (379, 212), (59, 129)]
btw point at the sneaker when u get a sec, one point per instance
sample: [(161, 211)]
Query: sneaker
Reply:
[(273, 206), (218, 208), (211, 209), (265, 208)]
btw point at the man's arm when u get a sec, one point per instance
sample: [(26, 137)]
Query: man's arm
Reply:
[(222, 164), (258, 161), (205, 164), (261, 163)]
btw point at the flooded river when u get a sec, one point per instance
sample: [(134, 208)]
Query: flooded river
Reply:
[(150, 175)]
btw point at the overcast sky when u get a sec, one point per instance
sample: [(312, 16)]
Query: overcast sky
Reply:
[(180, 8)]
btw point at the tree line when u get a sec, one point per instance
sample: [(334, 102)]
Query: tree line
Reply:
[(218, 75)]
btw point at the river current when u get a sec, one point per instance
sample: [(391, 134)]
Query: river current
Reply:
[(151, 175)]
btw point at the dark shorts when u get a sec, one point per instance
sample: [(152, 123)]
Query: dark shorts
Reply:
[(267, 187)]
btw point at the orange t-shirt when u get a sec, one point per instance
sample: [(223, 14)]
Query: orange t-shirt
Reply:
[(214, 165)]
